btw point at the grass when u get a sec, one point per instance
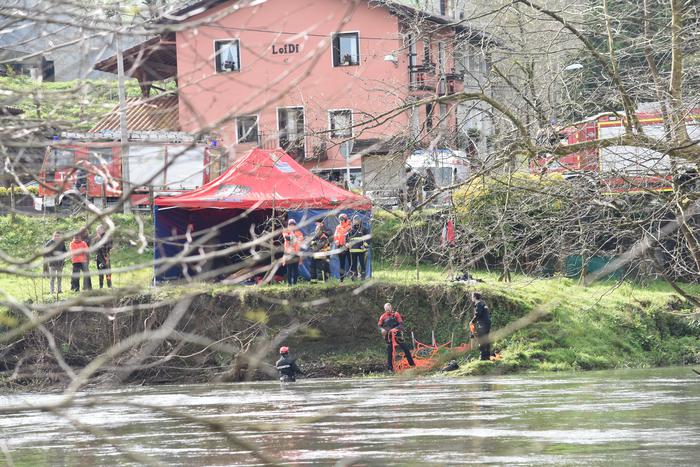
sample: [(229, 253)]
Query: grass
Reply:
[(604, 325)]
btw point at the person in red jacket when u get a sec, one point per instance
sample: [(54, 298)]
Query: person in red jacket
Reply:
[(391, 323), (79, 258), (293, 238)]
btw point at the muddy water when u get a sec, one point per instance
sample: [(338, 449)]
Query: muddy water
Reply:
[(612, 417)]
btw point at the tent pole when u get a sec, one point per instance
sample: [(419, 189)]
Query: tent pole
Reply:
[(272, 240)]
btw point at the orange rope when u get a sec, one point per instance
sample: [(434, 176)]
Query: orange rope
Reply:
[(423, 354)]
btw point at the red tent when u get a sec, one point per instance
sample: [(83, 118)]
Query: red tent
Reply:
[(266, 179)]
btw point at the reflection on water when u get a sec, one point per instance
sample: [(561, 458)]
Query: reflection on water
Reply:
[(629, 417)]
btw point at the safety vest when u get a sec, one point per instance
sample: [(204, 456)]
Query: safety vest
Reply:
[(341, 233), (292, 241), (390, 320), (78, 251)]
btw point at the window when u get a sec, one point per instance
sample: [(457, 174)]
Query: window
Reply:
[(101, 158), (443, 7), (228, 55), (460, 59), (412, 58), (290, 124), (341, 123), (443, 116), (346, 49), (428, 117), (247, 129), (61, 159), (48, 71), (441, 58), (426, 51)]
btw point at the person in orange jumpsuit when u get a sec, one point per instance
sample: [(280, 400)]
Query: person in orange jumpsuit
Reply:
[(340, 238), (79, 257), (391, 322)]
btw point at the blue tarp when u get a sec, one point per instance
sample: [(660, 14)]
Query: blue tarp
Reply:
[(171, 232)]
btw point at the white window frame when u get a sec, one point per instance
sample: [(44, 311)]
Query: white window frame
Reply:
[(330, 124), (277, 123), (216, 56), (359, 52), (257, 124)]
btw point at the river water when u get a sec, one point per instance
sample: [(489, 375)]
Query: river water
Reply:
[(621, 417)]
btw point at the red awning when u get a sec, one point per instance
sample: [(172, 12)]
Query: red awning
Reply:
[(267, 179)]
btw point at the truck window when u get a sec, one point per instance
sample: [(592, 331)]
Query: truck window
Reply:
[(101, 157), (443, 175), (61, 159)]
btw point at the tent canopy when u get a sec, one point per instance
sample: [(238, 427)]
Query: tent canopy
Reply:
[(267, 179)]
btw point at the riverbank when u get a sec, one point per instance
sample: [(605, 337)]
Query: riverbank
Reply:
[(573, 328)]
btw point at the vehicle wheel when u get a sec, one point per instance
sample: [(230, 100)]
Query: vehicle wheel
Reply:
[(71, 204)]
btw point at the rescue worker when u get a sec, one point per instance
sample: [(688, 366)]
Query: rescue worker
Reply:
[(340, 238), (287, 367), (79, 257), (102, 259), (53, 261), (358, 243), (293, 238), (480, 325), (320, 261), (390, 323)]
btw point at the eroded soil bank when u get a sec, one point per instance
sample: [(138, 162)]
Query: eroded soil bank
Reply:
[(232, 334)]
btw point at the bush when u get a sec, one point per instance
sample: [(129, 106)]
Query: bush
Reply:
[(18, 191)]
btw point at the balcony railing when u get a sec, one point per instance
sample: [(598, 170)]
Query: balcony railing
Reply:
[(319, 152), (425, 78), (293, 144), (428, 68), (454, 76)]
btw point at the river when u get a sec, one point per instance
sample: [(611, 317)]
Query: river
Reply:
[(622, 417)]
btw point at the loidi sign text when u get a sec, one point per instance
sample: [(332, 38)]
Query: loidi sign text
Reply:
[(286, 49)]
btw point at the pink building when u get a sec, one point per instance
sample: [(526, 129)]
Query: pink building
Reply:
[(320, 78)]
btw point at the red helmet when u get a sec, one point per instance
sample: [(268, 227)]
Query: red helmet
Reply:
[(284, 349)]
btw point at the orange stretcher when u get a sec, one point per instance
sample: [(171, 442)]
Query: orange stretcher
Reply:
[(424, 356)]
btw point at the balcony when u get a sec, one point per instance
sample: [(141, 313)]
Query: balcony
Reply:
[(429, 82), (422, 77), (294, 145), (455, 76), (319, 152)]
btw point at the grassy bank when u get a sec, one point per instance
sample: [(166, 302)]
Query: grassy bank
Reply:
[(605, 325), (585, 328)]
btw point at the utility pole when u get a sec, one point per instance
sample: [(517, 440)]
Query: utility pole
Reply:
[(345, 150), (126, 186)]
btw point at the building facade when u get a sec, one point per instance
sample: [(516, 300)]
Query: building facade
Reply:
[(327, 80)]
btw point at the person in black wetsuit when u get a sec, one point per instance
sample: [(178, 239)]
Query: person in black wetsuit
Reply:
[(320, 245), (391, 321), (358, 242), (287, 367), (482, 325)]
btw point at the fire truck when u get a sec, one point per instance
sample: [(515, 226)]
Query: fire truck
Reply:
[(87, 167), (617, 168)]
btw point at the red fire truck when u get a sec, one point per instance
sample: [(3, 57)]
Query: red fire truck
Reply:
[(618, 168), (80, 168)]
